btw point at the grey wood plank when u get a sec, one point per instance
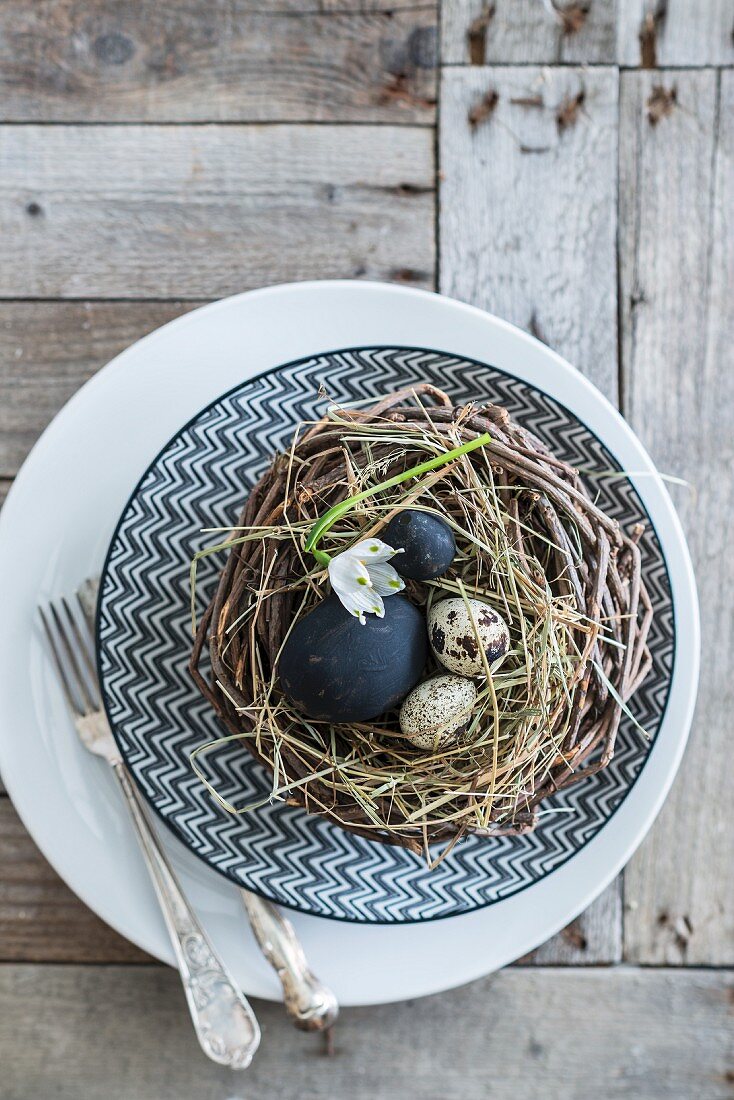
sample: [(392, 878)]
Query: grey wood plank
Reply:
[(676, 32), (677, 288), (530, 235), (40, 918), (301, 7), (528, 31), (49, 349), (204, 211), (110, 1032), (595, 937), (163, 60), (528, 204)]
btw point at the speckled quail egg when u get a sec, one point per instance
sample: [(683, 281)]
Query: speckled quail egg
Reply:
[(437, 711), (453, 636)]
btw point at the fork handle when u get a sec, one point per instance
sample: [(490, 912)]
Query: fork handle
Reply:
[(224, 1023), (310, 1004)]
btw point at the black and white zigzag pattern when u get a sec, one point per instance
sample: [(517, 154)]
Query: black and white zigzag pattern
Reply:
[(199, 481)]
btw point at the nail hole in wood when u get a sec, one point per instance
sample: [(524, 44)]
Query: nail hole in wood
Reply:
[(482, 110), (662, 102), (477, 35), (527, 101), (573, 16), (569, 111), (573, 935), (397, 89), (413, 189), (408, 275), (649, 32)]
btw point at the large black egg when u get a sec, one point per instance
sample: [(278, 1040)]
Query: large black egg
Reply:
[(335, 668), (427, 543)]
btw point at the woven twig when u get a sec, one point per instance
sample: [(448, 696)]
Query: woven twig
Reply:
[(592, 566)]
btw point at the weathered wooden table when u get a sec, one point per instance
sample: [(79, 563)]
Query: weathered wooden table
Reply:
[(568, 168)]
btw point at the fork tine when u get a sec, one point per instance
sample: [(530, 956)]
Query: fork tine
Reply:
[(85, 613), (86, 650), (71, 657), (87, 594), (69, 694)]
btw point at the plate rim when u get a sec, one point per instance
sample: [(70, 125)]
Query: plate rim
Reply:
[(172, 824)]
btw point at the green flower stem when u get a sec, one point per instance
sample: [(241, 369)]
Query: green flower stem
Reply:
[(329, 518)]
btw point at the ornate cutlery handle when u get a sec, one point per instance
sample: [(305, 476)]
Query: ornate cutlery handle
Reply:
[(225, 1024), (311, 1005)]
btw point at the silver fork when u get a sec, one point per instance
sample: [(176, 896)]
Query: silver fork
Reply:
[(224, 1022), (310, 1004)]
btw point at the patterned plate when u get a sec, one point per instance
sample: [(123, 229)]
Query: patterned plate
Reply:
[(199, 481)]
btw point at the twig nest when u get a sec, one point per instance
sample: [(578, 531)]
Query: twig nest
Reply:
[(337, 669), (437, 711), (572, 584), (459, 630), (426, 541)]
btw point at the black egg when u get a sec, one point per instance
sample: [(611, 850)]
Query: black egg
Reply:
[(427, 541), (337, 669)]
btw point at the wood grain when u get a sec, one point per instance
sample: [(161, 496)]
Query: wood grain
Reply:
[(530, 235), (49, 349), (108, 1033), (677, 32), (40, 918), (205, 211), (677, 286), (164, 60), (528, 31), (528, 204)]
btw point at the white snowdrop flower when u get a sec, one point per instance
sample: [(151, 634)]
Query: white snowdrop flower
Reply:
[(361, 577)]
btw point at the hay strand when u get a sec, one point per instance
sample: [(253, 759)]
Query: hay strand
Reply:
[(531, 542)]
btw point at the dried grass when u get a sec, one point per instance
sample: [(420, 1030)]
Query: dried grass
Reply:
[(530, 542)]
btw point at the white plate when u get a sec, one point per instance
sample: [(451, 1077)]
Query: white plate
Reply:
[(54, 530)]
